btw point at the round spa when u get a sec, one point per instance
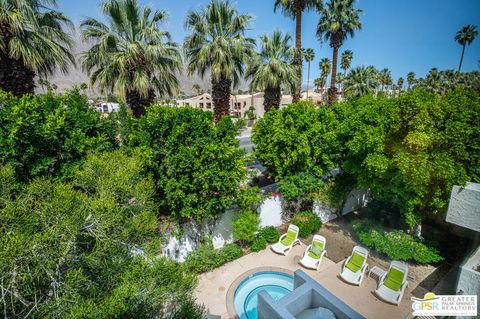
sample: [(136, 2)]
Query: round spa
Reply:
[(276, 284)]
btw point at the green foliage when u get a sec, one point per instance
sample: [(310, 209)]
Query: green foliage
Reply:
[(299, 185), (395, 244), (248, 198), (308, 222), (258, 244), (245, 227), (412, 149), (187, 308), (48, 134), (206, 258), (270, 234), (197, 165), (76, 250), (297, 139)]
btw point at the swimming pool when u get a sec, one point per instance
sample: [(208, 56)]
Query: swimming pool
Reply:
[(277, 284)]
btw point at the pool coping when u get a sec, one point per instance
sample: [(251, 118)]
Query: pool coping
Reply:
[(233, 287)]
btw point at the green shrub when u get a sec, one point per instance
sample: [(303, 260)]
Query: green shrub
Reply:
[(245, 227), (258, 244), (395, 244), (248, 198), (270, 234), (206, 258), (308, 222)]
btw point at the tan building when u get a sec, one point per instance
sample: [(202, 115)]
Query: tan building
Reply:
[(241, 103)]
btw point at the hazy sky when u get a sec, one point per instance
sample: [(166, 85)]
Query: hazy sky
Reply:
[(406, 35)]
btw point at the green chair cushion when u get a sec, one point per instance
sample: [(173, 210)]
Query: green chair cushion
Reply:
[(356, 262), (316, 250), (290, 238), (394, 279)]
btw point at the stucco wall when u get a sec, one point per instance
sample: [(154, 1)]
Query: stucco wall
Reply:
[(464, 206)]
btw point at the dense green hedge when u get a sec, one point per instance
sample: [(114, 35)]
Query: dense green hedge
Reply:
[(206, 258), (308, 222), (395, 244)]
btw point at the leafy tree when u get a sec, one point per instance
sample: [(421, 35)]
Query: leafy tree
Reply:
[(246, 226), (360, 81), (297, 139), (325, 68), (272, 68), (410, 79), (346, 60), (412, 149), (88, 254), (294, 9), (46, 134), (197, 165), (218, 44), (338, 20), (131, 53), (464, 37), (308, 55), (33, 42)]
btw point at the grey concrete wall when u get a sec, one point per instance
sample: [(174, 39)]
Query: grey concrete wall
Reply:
[(307, 294), (464, 206)]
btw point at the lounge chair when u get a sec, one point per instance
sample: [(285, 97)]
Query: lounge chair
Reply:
[(393, 283), (312, 258), (355, 266), (287, 241)]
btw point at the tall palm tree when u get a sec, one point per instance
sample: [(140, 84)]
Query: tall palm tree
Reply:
[(33, 41), (318, 83), (464, 37), (132, 55), (325, 68), (346, 60), (308, 55), (360, 81), (339, 19), (218, 43), (272, 68), (385, 78), (294, 10), (400, 84), (410, 79)]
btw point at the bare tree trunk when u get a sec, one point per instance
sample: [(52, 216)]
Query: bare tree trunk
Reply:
[(272, 98), (332, 91), (221, 89), (461, 58), (298, 57)]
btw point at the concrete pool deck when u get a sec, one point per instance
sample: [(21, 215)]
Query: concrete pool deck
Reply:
[(213, 286)]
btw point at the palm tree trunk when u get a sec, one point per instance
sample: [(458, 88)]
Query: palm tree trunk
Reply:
[(272, 98), (461, 58), (298, 57), (221, 89), (15, 77), (332, 91), (308, 78), (138, 103)]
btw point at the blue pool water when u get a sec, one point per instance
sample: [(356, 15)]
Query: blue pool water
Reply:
[(277, 284)]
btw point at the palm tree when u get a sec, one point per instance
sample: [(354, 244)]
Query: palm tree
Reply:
[(33, 41), (400, 84), (273, 67), (132, 55), (318, 82), (197, 88), (294, 10), (464, 37), (360, 81), (385, 78), (325, 68), (339, 19), (410, 79), (218, 43), (346, 60), (308, 55)]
